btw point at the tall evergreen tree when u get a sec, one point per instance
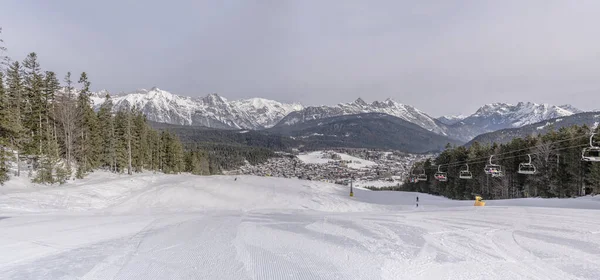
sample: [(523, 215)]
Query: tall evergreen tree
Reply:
[(121, 140), (34, 105), (5, 131), (107, 134), (128, 139), (87, 138), (51, 168), (4, 59), (14, 95), (67, 119), (51, 87), (139, 140)]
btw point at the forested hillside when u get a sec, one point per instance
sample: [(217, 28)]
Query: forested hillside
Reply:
[(367, 130), (49, 129), (557, 156), (192, 135)]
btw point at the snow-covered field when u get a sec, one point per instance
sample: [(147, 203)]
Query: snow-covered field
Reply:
[(151, 226), (317, 158)]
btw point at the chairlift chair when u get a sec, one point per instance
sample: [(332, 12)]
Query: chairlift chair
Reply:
[(418, 177), (465, 174), (441, 176), (412, 178), (422, 177), (493, 169), (591, 153), (527, 168), (499, 172)]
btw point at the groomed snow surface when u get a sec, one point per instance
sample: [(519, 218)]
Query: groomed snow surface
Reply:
[(153, 226)]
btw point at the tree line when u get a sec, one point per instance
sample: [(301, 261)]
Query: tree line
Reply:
[(52, 131), (556, 156), (54, 128), (213, 158)]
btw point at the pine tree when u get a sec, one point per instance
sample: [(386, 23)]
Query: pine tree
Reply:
[(107, 134), (128, 136), (172, 154), (51, 87), (193, 163), (51, 168), (87, 138), (14, 94), (66, 115), (4, 59), (34, 105), (154, 149), (5, 130), (121, 154), (139, 140)]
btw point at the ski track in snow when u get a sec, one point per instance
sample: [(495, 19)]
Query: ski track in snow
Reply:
[(187, 227)]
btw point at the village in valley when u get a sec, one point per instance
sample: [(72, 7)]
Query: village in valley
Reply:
[(366, 168)]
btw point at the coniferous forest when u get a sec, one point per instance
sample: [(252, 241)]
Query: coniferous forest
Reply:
[(557, 157), (50, 130), (51, 127)]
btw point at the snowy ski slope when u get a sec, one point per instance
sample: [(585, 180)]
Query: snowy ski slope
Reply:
[(152, 226)]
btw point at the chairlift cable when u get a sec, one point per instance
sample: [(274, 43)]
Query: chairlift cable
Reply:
[(457, 163), (519, 150)]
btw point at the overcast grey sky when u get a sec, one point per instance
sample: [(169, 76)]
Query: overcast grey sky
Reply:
[(443, 57)]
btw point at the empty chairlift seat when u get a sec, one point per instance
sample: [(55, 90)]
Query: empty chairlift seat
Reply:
[(527, 168), (465, 174), (591, 153)]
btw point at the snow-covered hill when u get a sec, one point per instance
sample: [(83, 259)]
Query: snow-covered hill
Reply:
[(156, 226), (389, 106), (211, 110)]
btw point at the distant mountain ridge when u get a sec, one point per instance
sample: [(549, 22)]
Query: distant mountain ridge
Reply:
[(496, 116), (389, 106), (211, 111), (451, 119), (591, 119), (215, 111)]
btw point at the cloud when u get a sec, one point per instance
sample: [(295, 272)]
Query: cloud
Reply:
[(444, 57)]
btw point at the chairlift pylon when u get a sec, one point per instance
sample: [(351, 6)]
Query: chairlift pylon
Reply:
[(527, 168), (465, 174), (591, 153)]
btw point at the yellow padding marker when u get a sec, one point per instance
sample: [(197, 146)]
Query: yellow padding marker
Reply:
[(479, 201)]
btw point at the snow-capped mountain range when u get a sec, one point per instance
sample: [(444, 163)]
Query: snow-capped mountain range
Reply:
[(211, 111), (496, 116), (258, 113), (451, 119), (359, 106), (523, 113)]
